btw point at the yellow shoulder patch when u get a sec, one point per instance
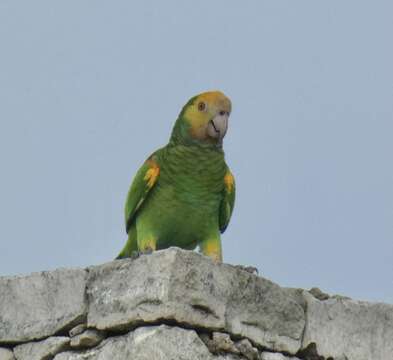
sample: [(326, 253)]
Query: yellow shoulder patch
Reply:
[(152, 174), (229, 181)]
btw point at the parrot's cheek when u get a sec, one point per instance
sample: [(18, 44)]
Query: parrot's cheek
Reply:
[(218, 126)]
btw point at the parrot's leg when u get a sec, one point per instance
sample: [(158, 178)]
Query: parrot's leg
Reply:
[(147, 244), (211, 247), (131, 245)]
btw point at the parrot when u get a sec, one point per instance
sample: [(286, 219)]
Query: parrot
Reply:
[(183, 195)]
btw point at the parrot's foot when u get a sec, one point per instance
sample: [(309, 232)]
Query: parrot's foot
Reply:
[(137, 254), (250, 269)]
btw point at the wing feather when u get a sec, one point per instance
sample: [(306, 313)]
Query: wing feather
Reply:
[(143, 182), (228, 201)]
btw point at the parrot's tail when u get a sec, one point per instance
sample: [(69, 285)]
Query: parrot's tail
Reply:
[(131, 245)]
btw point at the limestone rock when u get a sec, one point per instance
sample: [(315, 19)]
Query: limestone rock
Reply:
[(39, 305), (250, 269), (247, 350), (219, 342), (87, 339), (276, 356), (234, 312), (224, 343), (41, 350), (186, 287), (79, 329), (205, 337), (147, 343), (348, 329), (318, 294), (6, 354)]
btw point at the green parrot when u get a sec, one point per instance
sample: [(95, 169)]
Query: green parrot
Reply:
[(184, 193)]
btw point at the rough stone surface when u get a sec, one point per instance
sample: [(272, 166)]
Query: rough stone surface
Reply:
[(342, 328), (219, 342), (87, 339), (276, 356), (147, 343), (39, 305), (79, 329), (41, 350), (224, 343), (114, 311), (6, 354), (318, 294), (247, 350), (186, 287)]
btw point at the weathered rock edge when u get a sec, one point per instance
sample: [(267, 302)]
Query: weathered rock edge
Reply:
[(39, 305), (184, 288)]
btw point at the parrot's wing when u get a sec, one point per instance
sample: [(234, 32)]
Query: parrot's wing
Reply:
[(144, 181), (228, 201)]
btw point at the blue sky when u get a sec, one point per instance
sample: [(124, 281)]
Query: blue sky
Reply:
[(88, 89)]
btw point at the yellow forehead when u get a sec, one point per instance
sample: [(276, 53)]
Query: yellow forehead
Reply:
[(215, 99)]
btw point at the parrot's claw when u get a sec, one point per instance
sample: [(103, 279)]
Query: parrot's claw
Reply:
[(250, 269), (137, 254)]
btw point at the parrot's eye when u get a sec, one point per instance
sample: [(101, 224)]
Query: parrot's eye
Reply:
[(202, 106), (222, 112)]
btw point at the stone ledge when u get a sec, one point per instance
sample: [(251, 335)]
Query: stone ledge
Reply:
[(42, 304), (345, 328), (188, 292), (189, 289)]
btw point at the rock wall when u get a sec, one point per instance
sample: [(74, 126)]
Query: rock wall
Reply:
[(177, 304)]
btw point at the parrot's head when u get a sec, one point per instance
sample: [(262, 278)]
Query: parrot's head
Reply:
[(203, 120)]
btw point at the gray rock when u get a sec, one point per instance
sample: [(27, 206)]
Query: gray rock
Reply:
[(250, 269), (344, 328), (276, 356), (247, 350), (41, 350), (206, 338), (147, 343), (224, 343), (6, 354), (318, 294), (87, 339), (39, 305), (79, 329), (186, 287), (127, 292), (219, 343), (268, 315)]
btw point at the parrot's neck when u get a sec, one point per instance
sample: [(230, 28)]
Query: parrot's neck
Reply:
[(181, 136)]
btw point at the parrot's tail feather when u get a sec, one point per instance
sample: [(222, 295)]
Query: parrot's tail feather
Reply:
[(131, 245)]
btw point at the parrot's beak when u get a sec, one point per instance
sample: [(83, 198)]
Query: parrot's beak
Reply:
[(218, 126)]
